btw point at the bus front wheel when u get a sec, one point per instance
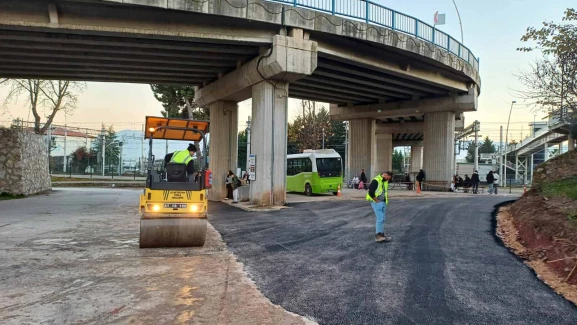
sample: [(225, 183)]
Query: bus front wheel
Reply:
[(308, 190)]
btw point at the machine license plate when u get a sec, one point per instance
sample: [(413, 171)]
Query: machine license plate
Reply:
[(175, 205)]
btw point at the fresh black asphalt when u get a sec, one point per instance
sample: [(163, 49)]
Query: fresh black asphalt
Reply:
[(444, 265)]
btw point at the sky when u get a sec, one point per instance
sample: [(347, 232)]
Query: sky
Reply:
[(492, 30)]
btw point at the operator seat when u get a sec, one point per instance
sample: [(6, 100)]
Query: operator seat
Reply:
[(175, 172)]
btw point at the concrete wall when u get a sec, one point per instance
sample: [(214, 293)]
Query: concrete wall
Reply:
[(23, 163)]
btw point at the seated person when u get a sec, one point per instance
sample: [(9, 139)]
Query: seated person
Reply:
[(467, 182), (183, 157), (356, 181), (407, 179)]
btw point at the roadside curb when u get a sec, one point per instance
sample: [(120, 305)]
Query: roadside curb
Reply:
[(254, 208)]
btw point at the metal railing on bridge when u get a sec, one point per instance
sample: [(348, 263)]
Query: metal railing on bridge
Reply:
[(377, 14)]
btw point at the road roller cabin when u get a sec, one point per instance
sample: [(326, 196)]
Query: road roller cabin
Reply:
[(173, 204)]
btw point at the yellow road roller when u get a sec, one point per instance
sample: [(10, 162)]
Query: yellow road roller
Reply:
[(173, 205)]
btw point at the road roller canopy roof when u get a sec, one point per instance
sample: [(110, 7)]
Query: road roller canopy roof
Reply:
[(174, 128)]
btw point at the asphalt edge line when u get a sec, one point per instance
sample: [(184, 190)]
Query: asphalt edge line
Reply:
[(239, 266)]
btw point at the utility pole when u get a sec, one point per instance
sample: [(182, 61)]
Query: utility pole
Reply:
[(346, 151), (142, 150), (120, 158), (49, 146), (476, 128), (469, 130), (501, 166), (103, 142), (507, 143), (65, 158), (247, 142)]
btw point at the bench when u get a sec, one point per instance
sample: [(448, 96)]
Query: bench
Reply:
[(402, 185), (480, 189), (436, 186)]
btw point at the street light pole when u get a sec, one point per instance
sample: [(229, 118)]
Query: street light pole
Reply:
[(247, 141), (507, 142), (476, 156), (323, 137), (460, 23)]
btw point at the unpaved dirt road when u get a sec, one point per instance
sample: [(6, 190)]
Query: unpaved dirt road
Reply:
[(72, 257)]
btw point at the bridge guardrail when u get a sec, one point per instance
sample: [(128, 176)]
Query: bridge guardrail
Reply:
[(380, 15)]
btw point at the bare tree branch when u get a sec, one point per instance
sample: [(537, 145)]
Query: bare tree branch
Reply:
[(50, 95)]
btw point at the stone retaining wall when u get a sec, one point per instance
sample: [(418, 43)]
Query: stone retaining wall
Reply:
[(23, 163)]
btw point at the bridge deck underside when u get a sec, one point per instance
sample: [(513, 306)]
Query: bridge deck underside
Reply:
[(344, 83), (60, 54)]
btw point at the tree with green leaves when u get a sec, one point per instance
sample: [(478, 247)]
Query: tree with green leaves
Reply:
[(178, 102), (242, 144), (309, 127), (485, 146), (551, 81), (398, 161)]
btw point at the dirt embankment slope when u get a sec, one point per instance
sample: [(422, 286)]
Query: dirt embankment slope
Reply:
[(541, 227)]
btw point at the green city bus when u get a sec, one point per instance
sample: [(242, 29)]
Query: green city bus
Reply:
[(314, 172)]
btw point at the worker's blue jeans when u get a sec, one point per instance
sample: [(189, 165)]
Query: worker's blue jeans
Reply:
[(380, 209)]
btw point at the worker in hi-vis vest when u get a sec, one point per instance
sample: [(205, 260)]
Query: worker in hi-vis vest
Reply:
[(379, 198), (183, 157)]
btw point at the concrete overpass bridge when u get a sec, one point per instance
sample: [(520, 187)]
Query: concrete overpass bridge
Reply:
[(395, 78)]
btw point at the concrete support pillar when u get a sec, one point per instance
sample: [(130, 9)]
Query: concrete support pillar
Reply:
[(416, 159), (439, 150), (546, 151), (269, 143), (384, 155), (532, 167), (362, 147), (516, 166), (570, 143), (223, 145)]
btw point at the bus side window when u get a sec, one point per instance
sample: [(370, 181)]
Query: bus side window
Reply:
[(307, 166), (289, 167), (297, 166)]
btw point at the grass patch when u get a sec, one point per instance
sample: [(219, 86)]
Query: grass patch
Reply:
[(563, 188), (8, 196)]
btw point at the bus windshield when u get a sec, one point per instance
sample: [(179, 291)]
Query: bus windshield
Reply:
[(329, 167)]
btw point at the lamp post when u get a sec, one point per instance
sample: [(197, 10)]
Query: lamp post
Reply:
[(460, 23), (507, 142), (247, 141)]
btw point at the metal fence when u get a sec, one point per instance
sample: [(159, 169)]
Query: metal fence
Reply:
[(377, 14)]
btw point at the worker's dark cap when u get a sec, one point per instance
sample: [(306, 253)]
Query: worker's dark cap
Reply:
[(191, 147)]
